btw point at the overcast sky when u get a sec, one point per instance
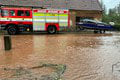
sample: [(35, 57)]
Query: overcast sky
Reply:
[(111, 3)]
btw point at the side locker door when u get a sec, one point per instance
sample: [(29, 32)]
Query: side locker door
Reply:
[(52, 16), (63, 18), (39, 19)]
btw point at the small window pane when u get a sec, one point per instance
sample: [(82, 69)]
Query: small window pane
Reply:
[(0, 12), (5, 13), (20, 13), (27, 13), (90, 22), (12, 13)]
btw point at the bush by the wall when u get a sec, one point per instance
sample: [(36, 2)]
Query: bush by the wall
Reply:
[(117, 27)]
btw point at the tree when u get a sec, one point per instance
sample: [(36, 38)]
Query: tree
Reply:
[(113, 15), (119, 9)]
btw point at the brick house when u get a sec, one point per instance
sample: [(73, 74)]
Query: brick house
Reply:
[(79, 9)]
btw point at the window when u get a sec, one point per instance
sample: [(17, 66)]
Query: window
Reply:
[(12, 13), (5, 13), (27, 13), (0, 12), (79, 19), (20, 13), (89, 22)]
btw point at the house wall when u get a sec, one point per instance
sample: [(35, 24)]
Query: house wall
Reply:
[(96, 15)]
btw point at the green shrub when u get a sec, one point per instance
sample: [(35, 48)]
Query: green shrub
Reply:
[(117, 27)]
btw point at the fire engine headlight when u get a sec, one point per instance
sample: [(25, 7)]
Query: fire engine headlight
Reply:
[(28, 29)]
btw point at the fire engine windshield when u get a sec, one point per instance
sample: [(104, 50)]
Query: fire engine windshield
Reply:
[(5, 13)]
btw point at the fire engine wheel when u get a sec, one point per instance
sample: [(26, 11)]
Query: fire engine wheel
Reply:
[(12, 30), (51, 30)]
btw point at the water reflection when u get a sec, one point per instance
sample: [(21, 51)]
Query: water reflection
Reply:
[(21, 47)]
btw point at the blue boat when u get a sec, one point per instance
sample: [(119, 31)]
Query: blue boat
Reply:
[(94, 25)]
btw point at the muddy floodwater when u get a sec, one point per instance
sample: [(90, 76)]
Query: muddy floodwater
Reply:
[(87, 56)]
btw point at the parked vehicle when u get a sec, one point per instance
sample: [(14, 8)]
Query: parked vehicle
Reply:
[(16, 20), (97, 26)]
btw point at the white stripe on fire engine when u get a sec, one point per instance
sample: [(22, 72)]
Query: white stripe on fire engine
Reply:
[(4, 19), (36, 20), (38, 17), (14, 19), (49, 20), (39, 20), (63, 20), (17, 20)]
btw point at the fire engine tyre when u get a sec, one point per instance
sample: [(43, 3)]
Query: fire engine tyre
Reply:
[(52, 30), (12, 30)]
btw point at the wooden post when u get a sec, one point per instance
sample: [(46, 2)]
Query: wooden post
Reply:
[(7, 42)]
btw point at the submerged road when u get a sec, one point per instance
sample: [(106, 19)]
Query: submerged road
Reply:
[(87, 56)]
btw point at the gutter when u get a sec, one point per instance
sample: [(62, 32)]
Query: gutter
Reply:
[(5, 5)]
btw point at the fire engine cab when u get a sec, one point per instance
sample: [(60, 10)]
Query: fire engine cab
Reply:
[(16, 20)]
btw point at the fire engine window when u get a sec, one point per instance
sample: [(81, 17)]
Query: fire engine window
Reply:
[(12, 13), (20, 13), (5, 13), (0, 12), (27, 13)]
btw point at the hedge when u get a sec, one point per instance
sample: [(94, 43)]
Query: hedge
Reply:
[(117, 27)]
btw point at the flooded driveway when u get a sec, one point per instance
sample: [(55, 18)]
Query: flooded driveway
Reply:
[(87, 56)]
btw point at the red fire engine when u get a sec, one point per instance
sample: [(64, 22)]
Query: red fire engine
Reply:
[(16, 20)]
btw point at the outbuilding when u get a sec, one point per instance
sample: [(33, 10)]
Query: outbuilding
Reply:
[(79, 9)]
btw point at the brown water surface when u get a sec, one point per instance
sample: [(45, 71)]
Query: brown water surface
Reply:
[(87, 56)]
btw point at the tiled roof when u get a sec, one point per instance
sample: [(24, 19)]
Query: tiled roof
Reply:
[(61, 4)]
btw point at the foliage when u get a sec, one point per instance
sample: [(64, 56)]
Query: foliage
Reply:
[(117, 27), (113, 15)]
